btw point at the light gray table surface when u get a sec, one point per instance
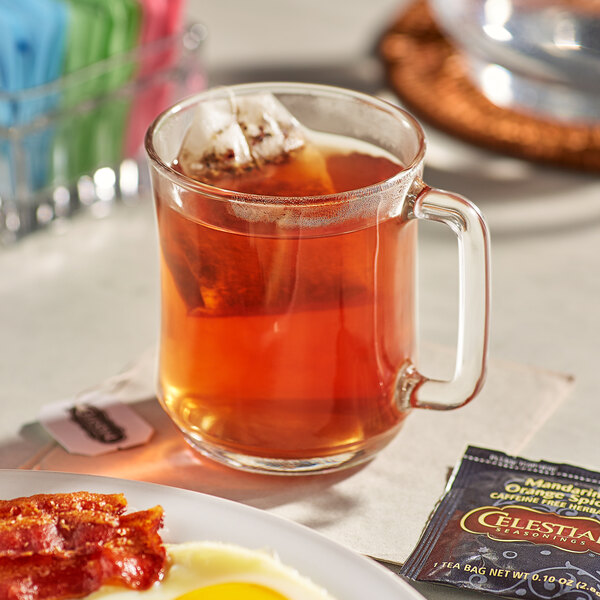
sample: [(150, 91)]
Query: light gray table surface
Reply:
[(80, 301)]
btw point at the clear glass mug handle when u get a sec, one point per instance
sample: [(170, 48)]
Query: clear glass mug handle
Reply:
[(414, 389)]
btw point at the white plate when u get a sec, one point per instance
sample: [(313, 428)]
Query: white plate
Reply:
[(193, 516)]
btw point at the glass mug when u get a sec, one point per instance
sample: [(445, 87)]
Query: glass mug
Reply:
[(288, 324)]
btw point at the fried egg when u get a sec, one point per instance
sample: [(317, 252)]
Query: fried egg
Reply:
[(219, 571)]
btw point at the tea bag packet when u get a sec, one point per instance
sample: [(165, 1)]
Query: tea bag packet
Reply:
[(514, 527), (32, 55), (99, 29), (32, 36), (231, 137)]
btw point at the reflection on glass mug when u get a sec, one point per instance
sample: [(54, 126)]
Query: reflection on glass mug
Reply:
[(288, 289)]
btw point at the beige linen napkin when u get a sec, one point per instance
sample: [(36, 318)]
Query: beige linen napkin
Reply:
[(378, 509)]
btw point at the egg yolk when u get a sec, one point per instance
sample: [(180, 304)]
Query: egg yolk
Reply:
[(232, 591)]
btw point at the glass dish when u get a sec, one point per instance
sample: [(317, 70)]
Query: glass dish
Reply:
[(536, 57), (77, 140)]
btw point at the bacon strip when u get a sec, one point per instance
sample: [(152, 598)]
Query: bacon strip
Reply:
[(137, 557), (49, 523), (60, 503), (53, 548), (50, 577)]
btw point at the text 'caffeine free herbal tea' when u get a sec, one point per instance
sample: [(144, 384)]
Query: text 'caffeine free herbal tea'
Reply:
[(515, 528)]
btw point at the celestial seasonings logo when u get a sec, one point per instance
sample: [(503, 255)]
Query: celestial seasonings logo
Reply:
[(518, 523)]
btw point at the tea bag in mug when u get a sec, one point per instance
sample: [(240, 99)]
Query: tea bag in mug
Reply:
[(230, 137)]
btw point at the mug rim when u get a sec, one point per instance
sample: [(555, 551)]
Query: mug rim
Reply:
[(216, 192)]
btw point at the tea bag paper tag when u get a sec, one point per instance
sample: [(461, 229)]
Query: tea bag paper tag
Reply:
[(94, 423)]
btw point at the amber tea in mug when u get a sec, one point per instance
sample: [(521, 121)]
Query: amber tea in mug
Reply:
[(288, 292)]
